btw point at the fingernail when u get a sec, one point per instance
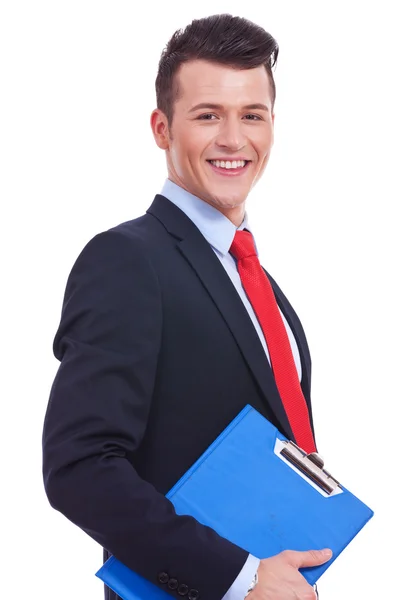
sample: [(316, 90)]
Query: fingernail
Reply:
[(326, 552)]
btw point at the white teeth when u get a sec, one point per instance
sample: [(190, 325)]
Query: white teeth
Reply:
[(222, 164)]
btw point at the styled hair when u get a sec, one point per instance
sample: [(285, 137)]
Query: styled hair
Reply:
[(232, 41)]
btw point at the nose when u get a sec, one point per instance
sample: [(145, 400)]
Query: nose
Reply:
[(231, 135)]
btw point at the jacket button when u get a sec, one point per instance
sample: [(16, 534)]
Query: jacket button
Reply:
[(173, 583), (163, 577), (183, 589), (193, 594)]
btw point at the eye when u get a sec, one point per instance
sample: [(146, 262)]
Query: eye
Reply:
[(206, 117), (253, 117)]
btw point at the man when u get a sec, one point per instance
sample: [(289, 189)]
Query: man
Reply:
[(162, 341)]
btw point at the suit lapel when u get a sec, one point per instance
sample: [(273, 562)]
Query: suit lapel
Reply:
[(216, 281)]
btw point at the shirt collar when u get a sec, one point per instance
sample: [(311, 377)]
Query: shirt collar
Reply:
[(218, 230)]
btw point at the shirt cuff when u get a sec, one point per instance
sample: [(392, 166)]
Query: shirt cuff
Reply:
[(240, 586)]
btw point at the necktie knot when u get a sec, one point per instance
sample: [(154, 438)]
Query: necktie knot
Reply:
[(243, 245)]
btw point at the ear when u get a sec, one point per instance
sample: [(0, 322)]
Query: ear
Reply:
[(159, 127)]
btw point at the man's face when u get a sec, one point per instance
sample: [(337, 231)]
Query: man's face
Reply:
[(233, 124)]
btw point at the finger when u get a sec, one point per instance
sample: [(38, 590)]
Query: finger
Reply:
[(311, 558)]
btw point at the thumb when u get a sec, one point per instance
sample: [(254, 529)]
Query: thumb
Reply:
[(311, 558)]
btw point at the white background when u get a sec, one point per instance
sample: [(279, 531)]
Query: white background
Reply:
[(77, 157)]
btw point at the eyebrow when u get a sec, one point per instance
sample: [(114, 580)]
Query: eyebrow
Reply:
[(256, 106)]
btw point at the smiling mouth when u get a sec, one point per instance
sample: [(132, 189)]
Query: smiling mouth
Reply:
[(229, 164), (229, 168)]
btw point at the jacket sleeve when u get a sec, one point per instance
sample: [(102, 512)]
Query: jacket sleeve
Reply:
[(107, 344)]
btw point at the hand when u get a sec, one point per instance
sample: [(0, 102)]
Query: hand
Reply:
[(279, 577)]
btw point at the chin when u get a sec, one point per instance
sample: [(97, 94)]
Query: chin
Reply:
[(233, 202), (226, 203), (227, 199)]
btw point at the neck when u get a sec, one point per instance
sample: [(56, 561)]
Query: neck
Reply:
[(234, 213)]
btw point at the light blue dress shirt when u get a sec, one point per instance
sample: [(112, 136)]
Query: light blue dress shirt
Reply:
[(219, 231)]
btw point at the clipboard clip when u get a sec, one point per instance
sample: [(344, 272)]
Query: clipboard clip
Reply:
[(312, 466)]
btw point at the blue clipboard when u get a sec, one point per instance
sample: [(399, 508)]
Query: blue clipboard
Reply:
[(261, 492)]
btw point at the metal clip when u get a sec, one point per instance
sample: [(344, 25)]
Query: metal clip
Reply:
[(311, 465)]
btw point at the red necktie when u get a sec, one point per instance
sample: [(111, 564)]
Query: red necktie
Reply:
[(260, 293)]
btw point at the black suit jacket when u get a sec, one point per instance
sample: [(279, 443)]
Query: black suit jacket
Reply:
[(158, 354)]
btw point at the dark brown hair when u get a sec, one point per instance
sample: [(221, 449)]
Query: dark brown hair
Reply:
[(223, 39)]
